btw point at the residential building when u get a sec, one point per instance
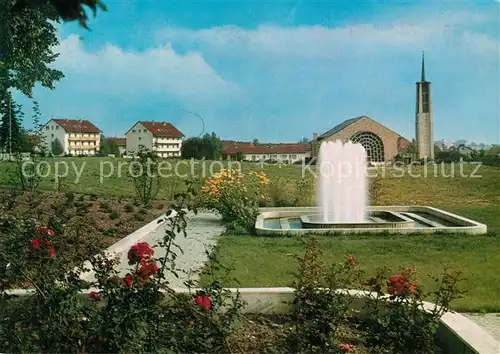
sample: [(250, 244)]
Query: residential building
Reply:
[(77, 136), (284, 153), (121, 143), (161, 137)]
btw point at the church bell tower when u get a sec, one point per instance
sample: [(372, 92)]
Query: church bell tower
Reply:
[(423, 118)]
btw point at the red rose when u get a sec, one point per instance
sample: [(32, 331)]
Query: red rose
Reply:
[(147, 267), (128, 280), (351, 261), (94, 295), (36, 243), (203, 301), (347, 347), (139, 251), (412, 287), (51, 250), (396, 285), (45, 231)]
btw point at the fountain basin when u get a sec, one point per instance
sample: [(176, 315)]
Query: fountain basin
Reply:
[(375, 219), (395, 219)]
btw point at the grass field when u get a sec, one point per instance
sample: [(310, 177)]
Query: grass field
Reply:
[(263, 261), (110, 176)]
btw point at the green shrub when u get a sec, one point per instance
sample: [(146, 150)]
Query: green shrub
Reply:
[(129, 208), (391, 320), (70, 197), (235, 196), (138, 217), (304, 192), (115, 214), (279, 193), (110, 232)]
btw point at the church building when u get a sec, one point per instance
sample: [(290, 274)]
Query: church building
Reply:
[(382, 144)]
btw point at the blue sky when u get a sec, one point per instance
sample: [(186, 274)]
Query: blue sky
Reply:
[(282, 70)]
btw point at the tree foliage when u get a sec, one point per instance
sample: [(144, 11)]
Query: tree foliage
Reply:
[(208, 147), (56, 147), (11, 131), (108, 147), (67, 10), (27, 39)]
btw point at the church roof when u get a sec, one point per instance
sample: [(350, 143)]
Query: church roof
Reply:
[(338, 128)]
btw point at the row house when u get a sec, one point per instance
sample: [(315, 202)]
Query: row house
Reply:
[(160, 137), (76, 136), (285, 153)]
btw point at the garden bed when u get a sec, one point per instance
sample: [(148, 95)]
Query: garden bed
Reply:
[(110, 218), (265, 333)]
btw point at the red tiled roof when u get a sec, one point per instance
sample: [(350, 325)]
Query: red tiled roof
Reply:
[(162, 129), (118, 141), (77, 126), (233, 147)]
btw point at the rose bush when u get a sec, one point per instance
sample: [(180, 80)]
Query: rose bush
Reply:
[(235, 196), (390, 322), (138, 312)]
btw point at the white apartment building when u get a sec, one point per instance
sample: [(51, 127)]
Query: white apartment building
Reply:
[(161, 137), (77, 136)]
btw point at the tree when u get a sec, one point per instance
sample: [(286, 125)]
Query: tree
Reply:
[(412, 147), (56, 147), (208, 147), (304, 140), (256, 141), (11, 131), (108, 147), (494, 150), (27, 38), (68, 10)]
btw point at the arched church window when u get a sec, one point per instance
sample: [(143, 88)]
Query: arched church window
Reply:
[(372, 143)]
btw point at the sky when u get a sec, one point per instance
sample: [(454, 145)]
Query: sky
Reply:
[(278, 70)]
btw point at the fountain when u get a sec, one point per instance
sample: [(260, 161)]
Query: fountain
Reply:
[(342, 205), (342, 182)]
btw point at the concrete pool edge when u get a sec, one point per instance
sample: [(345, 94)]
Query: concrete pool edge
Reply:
[(464, 225)]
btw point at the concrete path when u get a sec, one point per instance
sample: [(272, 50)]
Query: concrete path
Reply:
[(202, 231), (490, 322)]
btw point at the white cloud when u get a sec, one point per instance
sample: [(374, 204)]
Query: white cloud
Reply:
[(324, 42), (156, 71)]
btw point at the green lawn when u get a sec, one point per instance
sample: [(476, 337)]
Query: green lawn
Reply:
[(266, 262), (109, 176)]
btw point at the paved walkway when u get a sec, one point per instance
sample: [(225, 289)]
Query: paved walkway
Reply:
[(490, 322), (202, 231)]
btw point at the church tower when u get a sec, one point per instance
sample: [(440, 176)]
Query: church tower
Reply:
[(424, 122)]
